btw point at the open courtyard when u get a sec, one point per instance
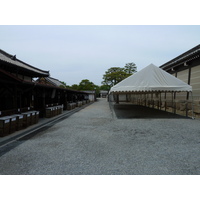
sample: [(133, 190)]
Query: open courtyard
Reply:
[(94, 141)]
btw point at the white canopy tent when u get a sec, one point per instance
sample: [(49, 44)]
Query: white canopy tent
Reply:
[(151, 80)]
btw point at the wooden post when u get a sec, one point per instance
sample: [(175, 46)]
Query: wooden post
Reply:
[(15, 97), (192, 106), (43, 103), (186, 106)]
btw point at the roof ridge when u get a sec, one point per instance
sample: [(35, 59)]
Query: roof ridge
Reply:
[(5, 53), (52, 78), (14, 59)]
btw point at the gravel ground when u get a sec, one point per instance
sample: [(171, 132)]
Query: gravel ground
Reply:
[(93, 141)]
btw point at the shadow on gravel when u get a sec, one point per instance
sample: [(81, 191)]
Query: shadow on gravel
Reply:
[(128, 111)]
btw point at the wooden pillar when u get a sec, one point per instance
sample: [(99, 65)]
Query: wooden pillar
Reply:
[(189, 78), (20, 100), (186, 106), (188, 93), (43, 102), (15, 98)]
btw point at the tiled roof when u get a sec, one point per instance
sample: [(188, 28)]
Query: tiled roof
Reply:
[(185, 57), (54, 81), (11, 59)]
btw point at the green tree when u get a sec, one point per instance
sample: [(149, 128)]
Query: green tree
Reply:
[(104, 87), (113, 76), (130, 68), (116, 74), (85, 84), (74, 87)]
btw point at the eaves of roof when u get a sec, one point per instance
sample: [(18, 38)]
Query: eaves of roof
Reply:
[(185, 57), (12, 60), (59, 88), (16, 78)]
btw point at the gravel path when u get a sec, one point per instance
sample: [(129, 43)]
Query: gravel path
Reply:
[(92, 141)]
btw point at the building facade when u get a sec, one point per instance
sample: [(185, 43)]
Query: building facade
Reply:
[(186, 67), (19, 90)]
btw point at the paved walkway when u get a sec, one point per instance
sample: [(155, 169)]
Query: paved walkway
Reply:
[(93, 141)]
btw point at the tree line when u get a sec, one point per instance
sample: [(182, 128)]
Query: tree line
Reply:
[(111, 77)]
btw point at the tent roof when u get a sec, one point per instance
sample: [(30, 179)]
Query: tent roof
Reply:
[(151, 79)]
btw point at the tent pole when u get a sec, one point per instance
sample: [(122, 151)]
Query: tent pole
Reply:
[(117, 99), (160, 103), (174, 102), (145, 100), (192, 105)]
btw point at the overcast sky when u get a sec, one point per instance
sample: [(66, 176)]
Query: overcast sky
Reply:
[(73, 53)]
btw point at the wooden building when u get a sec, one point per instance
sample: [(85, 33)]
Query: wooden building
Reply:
[(18, 90), (186, 67), (51, 91), (16, 82)]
